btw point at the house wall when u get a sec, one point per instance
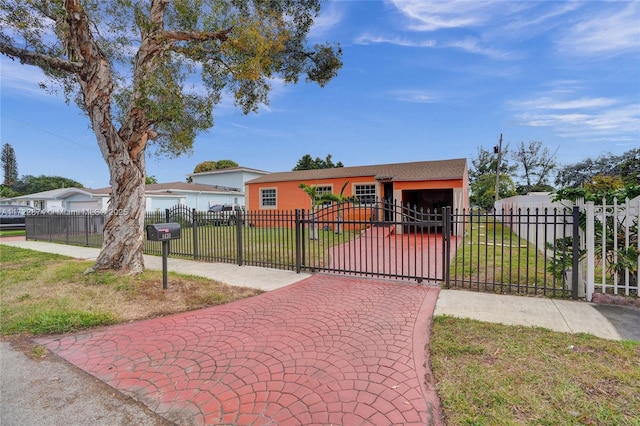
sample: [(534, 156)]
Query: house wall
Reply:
[(290, 197), (231, 179), (82, 202), (202, 201)]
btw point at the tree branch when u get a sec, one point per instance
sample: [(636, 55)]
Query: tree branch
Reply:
[(39, 59)]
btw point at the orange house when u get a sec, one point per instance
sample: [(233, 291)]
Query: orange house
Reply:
[(424, 184)]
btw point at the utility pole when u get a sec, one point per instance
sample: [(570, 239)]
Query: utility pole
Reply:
[(498, 150)]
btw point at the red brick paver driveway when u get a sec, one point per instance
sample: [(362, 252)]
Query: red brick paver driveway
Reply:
[(327, 350)]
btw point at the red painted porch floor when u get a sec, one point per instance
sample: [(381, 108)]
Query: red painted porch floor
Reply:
[(327, 350)]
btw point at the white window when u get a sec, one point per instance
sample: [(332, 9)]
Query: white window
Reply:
[(324, 189), (268, 198), (366, 193)]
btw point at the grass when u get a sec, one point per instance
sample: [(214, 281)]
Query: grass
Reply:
[(491, 374), (12, 233), (493, 257), (45, 293)]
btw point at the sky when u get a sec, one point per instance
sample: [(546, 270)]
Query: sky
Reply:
[(421, 81)]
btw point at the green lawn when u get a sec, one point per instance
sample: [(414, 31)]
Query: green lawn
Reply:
[(492, 256)]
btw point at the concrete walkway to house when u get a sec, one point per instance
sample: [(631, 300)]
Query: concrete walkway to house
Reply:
[(315, 349)]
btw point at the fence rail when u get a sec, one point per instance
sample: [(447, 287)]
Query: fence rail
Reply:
[(517, 252)]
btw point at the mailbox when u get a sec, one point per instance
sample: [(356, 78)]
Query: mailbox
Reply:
[(163, 232)]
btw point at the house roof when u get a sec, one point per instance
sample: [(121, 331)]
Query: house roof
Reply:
[(414, 171), (229, 169), (158, 188), (186, 186), (53, 194)]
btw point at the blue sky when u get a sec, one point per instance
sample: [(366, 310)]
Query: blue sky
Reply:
[(421, 81)]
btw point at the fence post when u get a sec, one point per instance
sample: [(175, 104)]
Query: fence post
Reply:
[(239, 225), (576, 253), (298, 237), (446, 236), (590, 236), (194, 225), (86, 230)]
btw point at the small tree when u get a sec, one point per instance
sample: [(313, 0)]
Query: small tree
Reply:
[(9, 165), (536, 165), (340, 199), (205, 166), (312, 192)]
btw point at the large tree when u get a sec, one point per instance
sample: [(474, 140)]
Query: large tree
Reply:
[(536, 164), (132, 67), (9, 165), (308, 163), (626, 166), (29, 184)]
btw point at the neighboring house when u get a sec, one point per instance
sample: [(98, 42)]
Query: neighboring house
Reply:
[(234, 177), (424, 184), (158, 197), (64, 199), (198, 196)]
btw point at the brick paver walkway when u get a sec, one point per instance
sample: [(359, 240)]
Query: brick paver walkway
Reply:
[(327, 350)]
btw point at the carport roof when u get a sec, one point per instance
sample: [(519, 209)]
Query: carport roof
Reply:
[(414, 171)]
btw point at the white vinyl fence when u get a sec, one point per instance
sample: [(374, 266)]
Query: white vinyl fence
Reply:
[(609, 243), (612, 248)]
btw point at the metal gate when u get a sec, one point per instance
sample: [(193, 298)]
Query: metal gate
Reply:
[(389, 240)]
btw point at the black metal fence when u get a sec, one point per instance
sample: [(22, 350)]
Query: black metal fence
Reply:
[(527, 252), (517, 252)]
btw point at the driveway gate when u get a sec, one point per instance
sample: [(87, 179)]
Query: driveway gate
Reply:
[(391, 241)]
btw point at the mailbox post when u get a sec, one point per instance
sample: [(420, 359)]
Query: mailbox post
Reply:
[(164, 232)]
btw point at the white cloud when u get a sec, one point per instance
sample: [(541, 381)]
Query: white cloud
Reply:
[(414, 96), (608, 32), (24, 80), (436, 15), (472, 45), (573, 115), (331, 15), (398, 41)]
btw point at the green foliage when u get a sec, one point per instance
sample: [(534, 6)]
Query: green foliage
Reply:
[(599, 191), (207, 166), (535, 164), (7, 192), (150, 180), (236, 47), (626, 166), (31, 184), (9, 165), (618, 258), (308, 163), (226, 164), (483, 190)]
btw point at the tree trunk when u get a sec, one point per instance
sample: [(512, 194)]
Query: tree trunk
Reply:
[(123, 150), (122, 249)]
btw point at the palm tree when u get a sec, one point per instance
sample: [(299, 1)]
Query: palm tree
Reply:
[(339, 199), (312, 192)]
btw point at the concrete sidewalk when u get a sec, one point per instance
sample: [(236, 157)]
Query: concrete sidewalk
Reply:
[(559, 315)]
